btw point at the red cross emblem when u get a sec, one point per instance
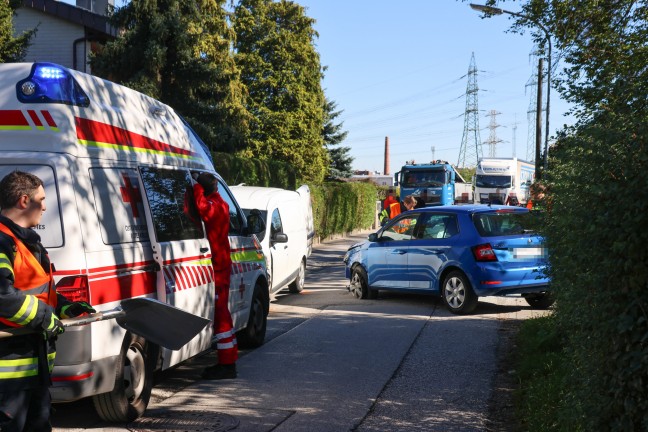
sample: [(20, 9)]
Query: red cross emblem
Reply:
[(130, 194), (242, 288)]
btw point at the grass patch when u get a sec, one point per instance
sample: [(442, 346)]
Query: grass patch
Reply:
[(541, 369)]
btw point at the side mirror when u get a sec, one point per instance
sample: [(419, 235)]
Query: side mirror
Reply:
[(373, 237), (280, 238)]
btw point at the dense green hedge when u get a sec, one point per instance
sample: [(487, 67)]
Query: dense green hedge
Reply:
[(596, 233), (338, 208)]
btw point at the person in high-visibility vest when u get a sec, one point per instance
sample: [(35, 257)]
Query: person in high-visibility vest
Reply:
[(387, 202), (28, 298), (214, 211), (408, 203)]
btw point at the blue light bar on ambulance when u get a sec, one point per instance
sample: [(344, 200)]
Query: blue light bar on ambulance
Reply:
[(51, 83)]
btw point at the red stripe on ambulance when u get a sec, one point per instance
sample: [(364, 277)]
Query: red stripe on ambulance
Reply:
[(94, 131)]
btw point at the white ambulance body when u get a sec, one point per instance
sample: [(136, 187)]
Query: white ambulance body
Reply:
[(120, 223)]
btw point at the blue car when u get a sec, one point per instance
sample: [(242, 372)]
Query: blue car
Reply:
[(458, 252)]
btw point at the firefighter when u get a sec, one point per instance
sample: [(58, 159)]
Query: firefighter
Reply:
[(214, 211), (387, 202), (28, 298)]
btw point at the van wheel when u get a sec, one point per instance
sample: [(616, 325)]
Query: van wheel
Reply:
[(133, 382), (297, 285), (457, 294), (253, 335)]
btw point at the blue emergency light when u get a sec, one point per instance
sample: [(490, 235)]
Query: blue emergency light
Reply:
[(51, 83)]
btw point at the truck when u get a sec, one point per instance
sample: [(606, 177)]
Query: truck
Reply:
[(503, 180), (435, 183)]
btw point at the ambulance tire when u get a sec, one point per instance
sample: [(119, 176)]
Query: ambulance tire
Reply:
[(253, 335), (297, 285), (133, 382)]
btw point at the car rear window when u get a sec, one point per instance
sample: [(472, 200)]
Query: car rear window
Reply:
[(503, 223)]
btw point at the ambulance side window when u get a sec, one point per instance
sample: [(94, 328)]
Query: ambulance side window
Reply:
[(236, 224), (170, 197), (118, 202)]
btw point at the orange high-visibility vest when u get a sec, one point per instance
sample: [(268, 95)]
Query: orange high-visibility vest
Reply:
[(394, 210), (29, 275)]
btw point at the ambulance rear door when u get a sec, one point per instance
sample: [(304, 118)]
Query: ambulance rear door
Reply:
[(181, 250)]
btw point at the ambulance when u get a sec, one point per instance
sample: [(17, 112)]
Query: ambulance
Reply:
[(120, 223)]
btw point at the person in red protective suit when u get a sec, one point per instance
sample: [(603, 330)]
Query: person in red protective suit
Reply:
[(214, 211), (28, 298)]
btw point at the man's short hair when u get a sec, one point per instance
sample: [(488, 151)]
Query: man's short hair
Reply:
[(16, 184)]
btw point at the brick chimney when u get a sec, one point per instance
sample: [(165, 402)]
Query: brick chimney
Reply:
[(386, 168)]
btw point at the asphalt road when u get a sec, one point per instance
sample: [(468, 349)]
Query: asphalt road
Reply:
[(335, 363)]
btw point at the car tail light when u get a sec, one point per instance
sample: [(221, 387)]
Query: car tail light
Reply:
[(484, 252), (74, 288)]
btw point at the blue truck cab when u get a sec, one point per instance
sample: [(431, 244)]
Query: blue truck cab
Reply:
[(432, 183)]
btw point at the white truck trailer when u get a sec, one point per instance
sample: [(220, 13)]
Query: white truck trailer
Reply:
[(503, 180)]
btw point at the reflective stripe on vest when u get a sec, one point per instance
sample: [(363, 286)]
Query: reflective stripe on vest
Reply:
[(25, 367), (32, 280)]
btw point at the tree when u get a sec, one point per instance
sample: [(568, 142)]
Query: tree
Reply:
[(180, 53), (12, 49), (341, 160), (281, 70), (597, 186)]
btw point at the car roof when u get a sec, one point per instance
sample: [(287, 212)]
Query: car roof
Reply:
[(261, 197), (470, 208)]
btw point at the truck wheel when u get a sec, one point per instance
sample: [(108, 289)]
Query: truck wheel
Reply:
[(133, 382), (297, 285), (457, 294), (253, 335)]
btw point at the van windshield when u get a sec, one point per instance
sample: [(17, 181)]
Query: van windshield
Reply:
[(493, 181)]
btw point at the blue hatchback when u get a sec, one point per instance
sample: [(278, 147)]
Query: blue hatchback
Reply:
[(458, 252)]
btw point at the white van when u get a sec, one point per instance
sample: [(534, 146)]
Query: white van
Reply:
[(120, 224), (284, 226)]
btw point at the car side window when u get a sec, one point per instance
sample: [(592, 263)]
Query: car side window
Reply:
[(437, 226), (170, 196), (236, 221), (401, 230), (275, 223)]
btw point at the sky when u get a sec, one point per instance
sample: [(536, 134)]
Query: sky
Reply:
[(399, 70)]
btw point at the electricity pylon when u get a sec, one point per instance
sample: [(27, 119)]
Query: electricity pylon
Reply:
[(492, 138), (471, 150)]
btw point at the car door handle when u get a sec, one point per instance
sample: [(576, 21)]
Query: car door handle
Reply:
[(399, 252), (204, 249)]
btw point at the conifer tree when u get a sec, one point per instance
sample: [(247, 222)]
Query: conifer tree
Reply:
[(179, 51), (12, 49), (281, 70), (341, 160)]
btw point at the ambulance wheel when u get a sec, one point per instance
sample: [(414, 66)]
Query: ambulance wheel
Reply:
[(133, 382), (253, 335), (297, 285)]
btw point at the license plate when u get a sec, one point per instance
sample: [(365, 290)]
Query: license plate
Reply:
[(527, 252)]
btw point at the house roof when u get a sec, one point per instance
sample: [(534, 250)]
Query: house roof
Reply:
[(90, 20)]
